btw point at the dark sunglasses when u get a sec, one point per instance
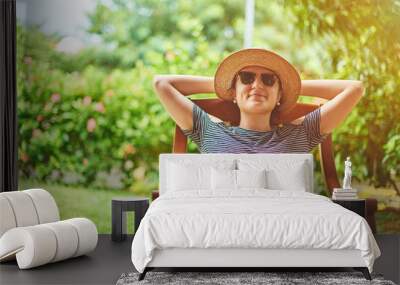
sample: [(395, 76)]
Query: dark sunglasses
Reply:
[(247, 77)]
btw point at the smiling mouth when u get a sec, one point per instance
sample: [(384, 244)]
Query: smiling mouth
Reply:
[(257, 96)]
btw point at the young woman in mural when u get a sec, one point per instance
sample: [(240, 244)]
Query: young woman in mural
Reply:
[(262, 84)]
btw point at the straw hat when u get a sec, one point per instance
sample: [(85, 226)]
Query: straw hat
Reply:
[(288, 75)]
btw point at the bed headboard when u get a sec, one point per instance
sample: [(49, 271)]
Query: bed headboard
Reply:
[(236, 159)]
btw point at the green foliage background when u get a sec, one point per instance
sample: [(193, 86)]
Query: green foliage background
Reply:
[(87, 117), (362, 39)]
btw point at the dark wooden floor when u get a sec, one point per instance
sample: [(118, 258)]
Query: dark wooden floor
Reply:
[(102, 266), (111, 259)]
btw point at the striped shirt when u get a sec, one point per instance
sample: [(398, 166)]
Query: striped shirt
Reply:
[(217, 137)]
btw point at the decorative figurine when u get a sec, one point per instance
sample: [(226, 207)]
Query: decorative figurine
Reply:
[(347, 174)]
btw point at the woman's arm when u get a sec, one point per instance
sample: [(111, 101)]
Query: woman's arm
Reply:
[(172, 89), (343, 95)]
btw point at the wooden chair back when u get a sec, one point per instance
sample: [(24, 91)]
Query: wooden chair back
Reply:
[(229, 112)]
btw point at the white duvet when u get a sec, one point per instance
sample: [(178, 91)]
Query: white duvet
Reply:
[(253, 218)]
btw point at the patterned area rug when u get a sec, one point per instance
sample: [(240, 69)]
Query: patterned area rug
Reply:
[(225, 278)]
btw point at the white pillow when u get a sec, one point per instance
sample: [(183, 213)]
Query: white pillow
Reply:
[(281, 175), (251, 178), (223, 179), (184, 175), (226, 179), (293, 179)]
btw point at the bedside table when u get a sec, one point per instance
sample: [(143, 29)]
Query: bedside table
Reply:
[(119, 207), (357, 205)]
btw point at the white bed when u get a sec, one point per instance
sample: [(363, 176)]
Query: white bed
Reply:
[(246, 210)]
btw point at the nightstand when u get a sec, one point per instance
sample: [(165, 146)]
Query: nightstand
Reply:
[(118, 212), (357, 205)]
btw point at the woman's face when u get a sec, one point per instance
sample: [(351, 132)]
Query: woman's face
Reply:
[(259, 96)]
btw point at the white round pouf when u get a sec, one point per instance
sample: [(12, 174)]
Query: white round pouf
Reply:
[(52, 242), (31, 233), (23, 208), (33, 246), (7, 216), (45, 205), (67, 240), (87, 233)]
